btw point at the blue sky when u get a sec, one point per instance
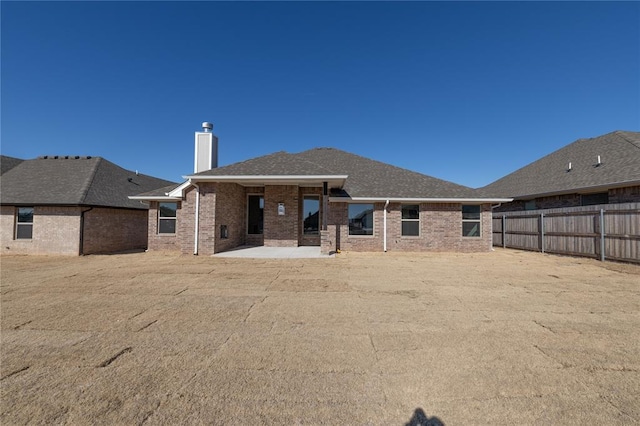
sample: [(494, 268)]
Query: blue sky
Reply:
[(463, 91)]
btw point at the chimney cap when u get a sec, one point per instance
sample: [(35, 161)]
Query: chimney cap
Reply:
[(206, 126)]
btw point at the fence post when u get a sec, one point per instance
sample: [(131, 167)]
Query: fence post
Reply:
[(542, 232), (602, 235), (504, 231)]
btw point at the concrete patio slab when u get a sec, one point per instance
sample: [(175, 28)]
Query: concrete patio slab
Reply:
[(261, 252)]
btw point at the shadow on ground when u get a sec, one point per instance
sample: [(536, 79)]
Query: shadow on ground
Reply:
[(420, 418)]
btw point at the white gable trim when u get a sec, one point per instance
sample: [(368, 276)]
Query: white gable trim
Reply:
[(418, 200)]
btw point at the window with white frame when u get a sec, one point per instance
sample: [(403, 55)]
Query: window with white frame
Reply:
[(410, 220), (24, 223), (470, 221), (167, 218), (360, 219)]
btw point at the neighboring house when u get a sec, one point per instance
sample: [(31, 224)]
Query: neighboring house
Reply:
[(71, 205), (600, 170), (323, 197)]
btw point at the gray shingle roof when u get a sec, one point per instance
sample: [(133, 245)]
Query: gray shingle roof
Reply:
[(279, 163), (158, 192), (85, 181), (374, 179), (619, 152), (8, 163), (366, 178)]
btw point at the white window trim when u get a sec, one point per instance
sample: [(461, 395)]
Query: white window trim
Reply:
[(160, 217), (410, 220), (23, 224), (478, 221)]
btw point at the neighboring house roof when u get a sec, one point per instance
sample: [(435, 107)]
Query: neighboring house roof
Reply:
[(8, 163), (83, 181), (619, 153), (359, 177)]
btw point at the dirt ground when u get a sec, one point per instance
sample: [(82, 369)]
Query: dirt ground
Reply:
[(506, 337)]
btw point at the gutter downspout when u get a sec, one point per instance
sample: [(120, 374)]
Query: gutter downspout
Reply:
[(195, 233), (384, 226), (82, 212)]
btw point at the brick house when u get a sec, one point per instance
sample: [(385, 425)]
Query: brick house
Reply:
[(600, 170), (71, 205), (321, 197)]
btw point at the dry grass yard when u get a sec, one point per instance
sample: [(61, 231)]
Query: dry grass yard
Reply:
[(507, 337)]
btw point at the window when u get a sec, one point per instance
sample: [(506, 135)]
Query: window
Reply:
[(167, 218), (410, 220), (311, 215), (593, 199), (470, 221), (255, 214), (24, 223), (530, 205), (360, 219)]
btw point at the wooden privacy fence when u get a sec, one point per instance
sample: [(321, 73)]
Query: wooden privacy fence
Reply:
[(610, 231)]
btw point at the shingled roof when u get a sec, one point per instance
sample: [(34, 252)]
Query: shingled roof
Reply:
[(366, 178), (7, 163), (619, 153), (78, 181)]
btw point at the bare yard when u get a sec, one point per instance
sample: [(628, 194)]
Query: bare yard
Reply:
[(506, 337)]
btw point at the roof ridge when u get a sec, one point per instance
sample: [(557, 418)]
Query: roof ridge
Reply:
[(94, 172), (322, 166), (624, 136), (404, 169)]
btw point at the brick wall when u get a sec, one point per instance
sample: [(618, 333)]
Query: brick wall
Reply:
[(281, 231), (440, 230), (56, 230), (162, 242), (186, 222), (109, 230), (207, 220), (230, 211), (630, 194)]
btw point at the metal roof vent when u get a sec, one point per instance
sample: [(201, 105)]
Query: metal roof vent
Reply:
[(207, 127), (569, 167), (599, 162)]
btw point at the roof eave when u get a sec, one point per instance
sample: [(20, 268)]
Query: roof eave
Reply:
[(584, 189), (419, 200), (153, 198), (258, 180)]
